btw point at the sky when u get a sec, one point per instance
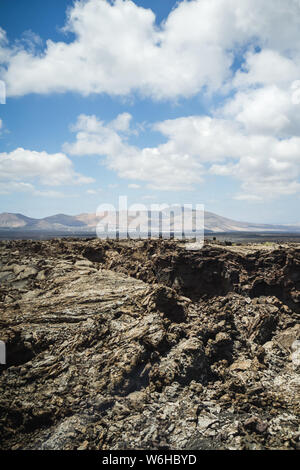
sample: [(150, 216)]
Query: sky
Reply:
[(177, 102)]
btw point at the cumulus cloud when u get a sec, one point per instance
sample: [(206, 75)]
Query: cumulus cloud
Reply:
[(94, 137), (122, 122), (19, 187), (13, 186), (118, 48), (21, 169), (247, 50), (267, 111), (265, 165), (161, 167), (268, 67)]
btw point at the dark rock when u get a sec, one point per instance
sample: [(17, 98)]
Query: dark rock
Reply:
[(146, 345)]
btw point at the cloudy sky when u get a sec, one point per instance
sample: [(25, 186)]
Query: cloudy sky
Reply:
[(166, 102)]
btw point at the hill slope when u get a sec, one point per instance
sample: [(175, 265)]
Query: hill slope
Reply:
[(213, 223)]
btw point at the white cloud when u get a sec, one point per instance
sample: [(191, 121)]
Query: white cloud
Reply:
[(21, 168), (268, 67), (253, 137), (265, 165), (94, 137), (265, 111), (50, 194), (134, 186), (12, 186), (162, 167), (20, 187), (93, 192), (122, 122), (119, 49)]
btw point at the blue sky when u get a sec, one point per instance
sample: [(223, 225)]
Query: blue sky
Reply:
[(184, 104)]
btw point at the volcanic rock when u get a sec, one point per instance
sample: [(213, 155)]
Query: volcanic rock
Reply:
[(146, 345)]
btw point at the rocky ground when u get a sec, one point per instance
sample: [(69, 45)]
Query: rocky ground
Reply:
[(145, 345)]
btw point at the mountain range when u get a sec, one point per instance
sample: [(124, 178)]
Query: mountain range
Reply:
[(87, 223)]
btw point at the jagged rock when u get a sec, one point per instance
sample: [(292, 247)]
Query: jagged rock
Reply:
[(256, 425), (145, 345), (184, 363), (295, 356), (166, 301)]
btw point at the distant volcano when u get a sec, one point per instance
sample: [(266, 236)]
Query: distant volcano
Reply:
[(87, 223)]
